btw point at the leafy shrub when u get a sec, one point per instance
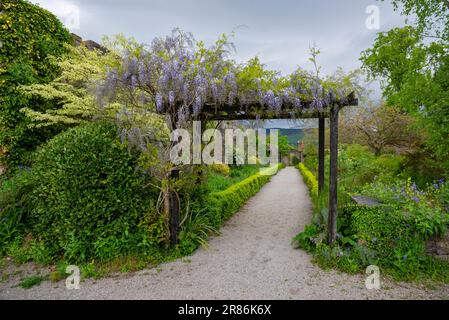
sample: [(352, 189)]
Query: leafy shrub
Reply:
[(88, 200), (195, 230), (391, 235), (221, 168), (308, 238)]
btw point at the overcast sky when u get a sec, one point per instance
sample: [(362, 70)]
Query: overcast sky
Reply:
[(279, 32)]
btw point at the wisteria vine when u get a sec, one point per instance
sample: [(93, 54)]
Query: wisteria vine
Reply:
[(177, 75)]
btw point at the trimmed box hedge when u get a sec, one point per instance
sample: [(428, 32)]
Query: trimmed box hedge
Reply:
[(222, 205), (309, 179)]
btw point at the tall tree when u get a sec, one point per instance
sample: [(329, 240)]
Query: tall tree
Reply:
[(413, 65)]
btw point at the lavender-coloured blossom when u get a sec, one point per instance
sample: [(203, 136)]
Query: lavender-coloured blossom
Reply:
[(297, 103), (183, 115), (171, 98), (317, 104), (268, 99), (159, 103), (214, 90), (231, 98), (197, 106)]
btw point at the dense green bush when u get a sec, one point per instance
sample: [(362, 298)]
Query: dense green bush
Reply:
[(88, 200), (29, 35)]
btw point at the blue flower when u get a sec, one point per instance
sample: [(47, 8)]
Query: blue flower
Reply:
[(416, 199)]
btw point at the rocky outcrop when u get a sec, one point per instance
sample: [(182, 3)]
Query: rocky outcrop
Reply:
[(91, 45)]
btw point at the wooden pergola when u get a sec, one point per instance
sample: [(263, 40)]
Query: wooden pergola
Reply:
[(251, 111)]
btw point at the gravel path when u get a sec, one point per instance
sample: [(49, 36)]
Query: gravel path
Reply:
[(252, 259)]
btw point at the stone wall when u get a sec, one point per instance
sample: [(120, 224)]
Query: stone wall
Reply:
[(438, 247)]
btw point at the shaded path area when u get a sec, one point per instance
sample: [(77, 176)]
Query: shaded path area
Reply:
[(252, 259)]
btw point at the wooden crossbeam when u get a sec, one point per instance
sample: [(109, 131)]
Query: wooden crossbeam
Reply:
[(255, 110)]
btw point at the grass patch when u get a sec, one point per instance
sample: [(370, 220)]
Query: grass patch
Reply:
[(217, 181), (31, 281)]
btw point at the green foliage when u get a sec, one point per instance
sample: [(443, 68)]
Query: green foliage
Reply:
[(222, 205), (85, 200), (31, 281), (391, 236), (310, 180), (218, 181), (414, 78), (222, 169), (432, 15), (70, 93), (307, 239), (29, 35), (284, 145), (14, 207), (195, 230), (358, 165)]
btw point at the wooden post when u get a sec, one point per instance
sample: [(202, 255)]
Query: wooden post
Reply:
[(174, 211), (333, 177), (173, 201), (321, 153)]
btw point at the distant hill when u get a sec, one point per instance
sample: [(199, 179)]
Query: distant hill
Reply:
[(293, 135)]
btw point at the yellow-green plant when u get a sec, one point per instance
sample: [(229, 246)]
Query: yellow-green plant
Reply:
[(222, 205), (309, 179), (72, 90)]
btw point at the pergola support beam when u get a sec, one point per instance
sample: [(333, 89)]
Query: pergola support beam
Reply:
[(321, 154), (333, 176), (174, 211)]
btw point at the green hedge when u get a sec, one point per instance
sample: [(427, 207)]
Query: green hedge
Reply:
[(222, 205), (309, 179)]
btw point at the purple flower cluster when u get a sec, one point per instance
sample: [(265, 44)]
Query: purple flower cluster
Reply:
[(437, 185), (172, 73)]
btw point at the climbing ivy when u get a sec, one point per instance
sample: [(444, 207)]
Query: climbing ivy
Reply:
[(28, 35)]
